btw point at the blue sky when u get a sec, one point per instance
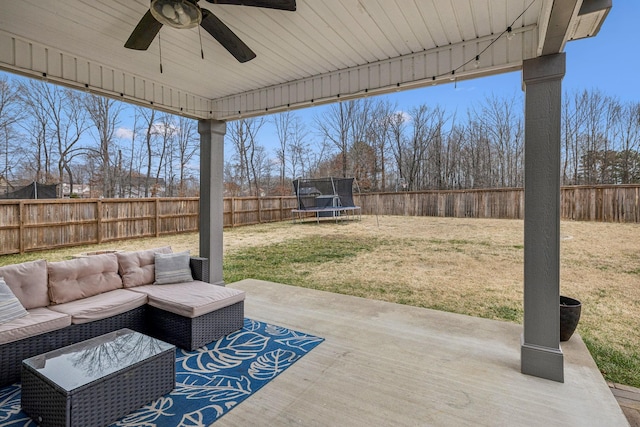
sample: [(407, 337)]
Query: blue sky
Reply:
[(609, 62)]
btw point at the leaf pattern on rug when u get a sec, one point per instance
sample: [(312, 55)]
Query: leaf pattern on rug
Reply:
[(199, 417), (149, 414), (226, 353), (300, 341), (210, 381), (277, 331), (271, 364), (215, 388), (9, 402)]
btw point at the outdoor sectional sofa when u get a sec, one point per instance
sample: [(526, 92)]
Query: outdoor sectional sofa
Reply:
[(155, 291)]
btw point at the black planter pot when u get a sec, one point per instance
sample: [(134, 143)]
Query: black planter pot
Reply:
[(569, 316)]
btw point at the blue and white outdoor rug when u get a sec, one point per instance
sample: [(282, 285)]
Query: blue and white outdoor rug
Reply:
[(210, 381)]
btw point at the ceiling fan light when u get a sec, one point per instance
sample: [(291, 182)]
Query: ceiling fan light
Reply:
[(176, 13), (168, 11)]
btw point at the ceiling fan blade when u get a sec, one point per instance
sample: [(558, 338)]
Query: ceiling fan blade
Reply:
[(289, 5), (226, 37), (144, 33)]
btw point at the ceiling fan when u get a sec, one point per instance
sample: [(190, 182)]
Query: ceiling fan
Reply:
[(187, 14)]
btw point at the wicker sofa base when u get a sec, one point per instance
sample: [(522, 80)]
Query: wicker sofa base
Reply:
[(183, 332), (12, 354), (192, 333)]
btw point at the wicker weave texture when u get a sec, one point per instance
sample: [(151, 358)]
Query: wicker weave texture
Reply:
[(133, 319), (44, 403), (101, 402), (200, 268), (12, 354), (192, 333)]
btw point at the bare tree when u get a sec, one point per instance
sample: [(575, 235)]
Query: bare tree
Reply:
[(456, 178), (334, 125), (36, 125), (360, 150), (10, 115), (478, 156), (60, 114), (629, 137), (610, 132), (503, 124), (425, 130), (572, 122), (166, 130), (397, 127), (148, 118), (186, 145), (380, 137), (592, 138), (299, 150), (284, 123), (104, 114), (247, 152)]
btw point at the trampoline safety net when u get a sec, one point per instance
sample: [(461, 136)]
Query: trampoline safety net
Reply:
[(324, 193)]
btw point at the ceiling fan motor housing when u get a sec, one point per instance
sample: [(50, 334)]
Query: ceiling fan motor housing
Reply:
[(176, 13)]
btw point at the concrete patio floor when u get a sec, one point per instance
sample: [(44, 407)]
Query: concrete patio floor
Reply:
[(385, 364)]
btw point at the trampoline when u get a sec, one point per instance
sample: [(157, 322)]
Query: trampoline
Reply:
[(326, 198)]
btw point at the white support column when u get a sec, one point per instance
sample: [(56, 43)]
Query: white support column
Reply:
[(541, 354), (211, 195)]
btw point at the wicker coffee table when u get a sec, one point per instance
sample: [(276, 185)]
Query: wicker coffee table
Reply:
[(97, 381)]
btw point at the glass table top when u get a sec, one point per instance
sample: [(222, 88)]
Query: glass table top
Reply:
[(87, 361)]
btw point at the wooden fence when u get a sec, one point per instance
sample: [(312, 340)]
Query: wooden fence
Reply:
[(500, 203), (30, 225), (607, 203)]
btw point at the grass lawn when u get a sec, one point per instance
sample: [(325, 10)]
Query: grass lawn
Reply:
[(468, 266)]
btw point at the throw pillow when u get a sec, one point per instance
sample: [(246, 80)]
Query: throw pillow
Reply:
[(10, 307), (137, 268), (172, 268)]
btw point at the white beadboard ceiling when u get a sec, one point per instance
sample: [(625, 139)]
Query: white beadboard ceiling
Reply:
[(324, 51)]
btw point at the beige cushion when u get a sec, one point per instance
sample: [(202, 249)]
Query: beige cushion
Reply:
[(138, 268), (172, 268), (28, 282), (191, 299), (38, 321), (10, 307), (101, 306), (83, 277)]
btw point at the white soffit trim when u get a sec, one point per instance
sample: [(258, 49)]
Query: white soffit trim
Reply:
[(38, 61), (401, 73)]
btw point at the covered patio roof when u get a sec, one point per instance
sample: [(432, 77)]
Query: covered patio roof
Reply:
[(325, 51)]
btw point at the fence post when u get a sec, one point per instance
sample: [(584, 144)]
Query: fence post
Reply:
[(259, 209), (233, 211), (157, 217), (21, 227), (99, 221)]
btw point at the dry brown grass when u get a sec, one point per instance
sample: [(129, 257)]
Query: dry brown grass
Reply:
[(475, 267)]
